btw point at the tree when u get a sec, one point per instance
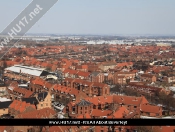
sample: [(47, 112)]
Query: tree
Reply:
[(116, 88)]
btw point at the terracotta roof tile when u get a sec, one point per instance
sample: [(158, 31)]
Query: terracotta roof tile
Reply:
[(100, 113)]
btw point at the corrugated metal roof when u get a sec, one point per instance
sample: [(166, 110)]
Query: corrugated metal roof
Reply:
[(25, 69)]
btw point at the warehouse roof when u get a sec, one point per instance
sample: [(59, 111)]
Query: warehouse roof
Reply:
[(26, 70)]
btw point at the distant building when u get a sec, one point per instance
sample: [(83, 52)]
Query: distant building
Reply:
[(163, 44)]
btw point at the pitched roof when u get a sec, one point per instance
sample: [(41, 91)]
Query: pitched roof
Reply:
[(4, 105), (150, 108), (20, 105), (95, 73), (121, 112), (83, 103), (83, 74), (99, 113), (42, 113), (128, 100), (42, 96), (25, 92), (31, 100)]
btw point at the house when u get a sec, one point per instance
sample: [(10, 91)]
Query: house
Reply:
[(97, 77), (83, 75), (107, 65), (148, 78), (112, 106), (169, 79), (17, 107), (144, 89), (90, 88), (124, 65), (4, 107), (82, 68), (122, 77), (59, 91), (44, 99), (79, 109), (31, 100), (42, 113), (36, 114), (3, 90), (120, 80), (7, 129), (70, 73), (18, 93), (39, 85), (150, 110), (109, 77)]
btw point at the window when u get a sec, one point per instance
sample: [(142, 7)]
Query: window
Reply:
[(85, 108), (41, 105), (135, 106), (46, 104), (81, 108)]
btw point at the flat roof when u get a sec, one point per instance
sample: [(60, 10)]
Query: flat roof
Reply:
[(25, 69)]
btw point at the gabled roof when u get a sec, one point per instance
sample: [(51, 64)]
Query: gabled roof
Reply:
[(120, 112), (150, 108), (42, 113), (21, 106), (25, 92), (128, 100), (95, 73)]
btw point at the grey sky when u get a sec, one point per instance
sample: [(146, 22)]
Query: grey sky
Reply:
[(99, 16)]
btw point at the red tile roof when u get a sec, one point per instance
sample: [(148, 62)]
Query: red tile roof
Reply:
[(26, 93), (21, 106), (121, 112), (42, 113), (150, 108), (100, 113)]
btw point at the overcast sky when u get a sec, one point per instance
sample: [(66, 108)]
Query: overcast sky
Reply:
[(112, 17)]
